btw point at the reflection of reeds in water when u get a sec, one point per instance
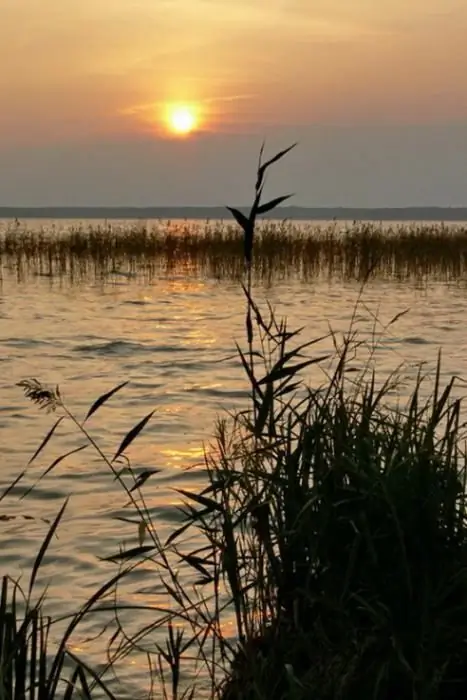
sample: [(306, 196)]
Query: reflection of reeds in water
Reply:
[(282, 250)]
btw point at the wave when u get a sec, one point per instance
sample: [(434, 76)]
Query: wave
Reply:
[(124, 348), (27, 342), (137, 302), (416, 340)]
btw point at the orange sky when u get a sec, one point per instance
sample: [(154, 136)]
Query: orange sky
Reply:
[(77, 68)]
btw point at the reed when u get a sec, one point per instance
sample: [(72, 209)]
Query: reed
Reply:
[(412, 252), (33, 665), (332, 528)]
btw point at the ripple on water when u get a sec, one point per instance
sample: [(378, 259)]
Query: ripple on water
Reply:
[(124, 348), (417, 340), (29, 342), (138, 302)]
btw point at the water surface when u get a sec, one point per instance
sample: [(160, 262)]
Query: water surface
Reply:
[(169, 339)]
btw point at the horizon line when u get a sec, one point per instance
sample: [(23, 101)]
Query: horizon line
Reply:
[(417, 212)]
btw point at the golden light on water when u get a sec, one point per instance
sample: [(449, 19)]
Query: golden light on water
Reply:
[(182, 119)]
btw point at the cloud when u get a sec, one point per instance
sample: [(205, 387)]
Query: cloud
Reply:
[(77, 68)]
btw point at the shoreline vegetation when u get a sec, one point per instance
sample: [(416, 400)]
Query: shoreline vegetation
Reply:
[(416, 252), (332, 531)]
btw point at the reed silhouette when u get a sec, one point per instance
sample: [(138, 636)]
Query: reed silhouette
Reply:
[(412, 252), (332, 530)]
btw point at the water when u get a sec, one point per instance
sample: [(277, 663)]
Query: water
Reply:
[(166, 338)]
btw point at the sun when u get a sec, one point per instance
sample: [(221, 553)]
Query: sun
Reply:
[(181, 119)]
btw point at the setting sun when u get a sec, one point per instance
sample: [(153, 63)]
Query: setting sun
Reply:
[(182, 119)]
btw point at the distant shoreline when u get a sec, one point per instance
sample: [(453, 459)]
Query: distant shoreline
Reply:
[(216, 213)]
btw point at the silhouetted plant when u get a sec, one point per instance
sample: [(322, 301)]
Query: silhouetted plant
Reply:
[(332, 528), (335, 527), (31, 666)]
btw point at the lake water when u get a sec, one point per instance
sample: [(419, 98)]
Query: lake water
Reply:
[(166, 338)]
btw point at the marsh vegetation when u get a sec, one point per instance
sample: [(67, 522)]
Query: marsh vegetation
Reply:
[(330, 533), (412, 253)]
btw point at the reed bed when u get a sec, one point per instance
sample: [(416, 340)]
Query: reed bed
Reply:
[(412, 252)]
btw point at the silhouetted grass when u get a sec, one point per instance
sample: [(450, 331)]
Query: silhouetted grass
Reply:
[(332, 529), (406, 252), (32, 664)]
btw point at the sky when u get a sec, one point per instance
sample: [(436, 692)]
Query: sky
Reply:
[(373, 91)]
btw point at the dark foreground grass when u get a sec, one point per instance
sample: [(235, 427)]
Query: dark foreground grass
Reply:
[(344, 540), (407, 252), (332, 530)]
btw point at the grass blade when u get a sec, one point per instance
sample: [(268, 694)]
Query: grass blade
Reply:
[(290, 371), (45, 545), (274, 159), (102, 400), (268, 206), (61, 458), (134, 432), (129, 553), (45, 440), (52, 466), (240, 218), (143, 477), (11, 486), (55, 672), (209, 503), (90, 671)]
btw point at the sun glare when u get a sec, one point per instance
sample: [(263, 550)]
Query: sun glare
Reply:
[(182, 119)]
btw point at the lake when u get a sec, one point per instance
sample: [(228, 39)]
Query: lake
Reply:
[(172, 338)]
